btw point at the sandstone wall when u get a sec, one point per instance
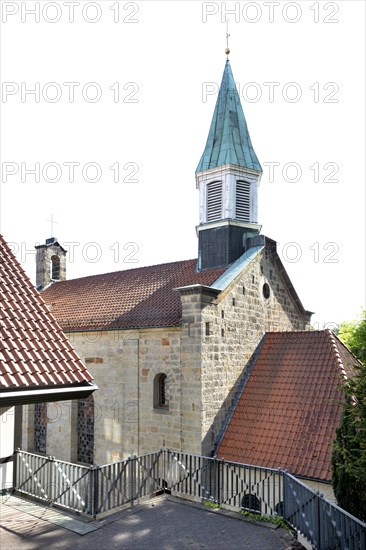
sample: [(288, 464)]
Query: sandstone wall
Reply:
[(124, 365), (203, 360), (232, 326)]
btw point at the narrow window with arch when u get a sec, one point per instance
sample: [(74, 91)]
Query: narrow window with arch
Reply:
[(55, 268), (161, 391), (214, 201)]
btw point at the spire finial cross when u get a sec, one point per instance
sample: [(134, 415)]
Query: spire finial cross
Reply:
[(227, 49), (52, 222)]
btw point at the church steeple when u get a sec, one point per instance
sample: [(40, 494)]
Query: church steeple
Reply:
[(228, 140), (227, 176)]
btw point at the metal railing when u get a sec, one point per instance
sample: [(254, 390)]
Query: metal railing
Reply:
[(229, 484), (322, 523), (54, 481), (125, 482), (98, 489), (88, 490)]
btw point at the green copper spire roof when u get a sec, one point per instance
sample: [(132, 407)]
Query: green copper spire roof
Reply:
[(228, 140)]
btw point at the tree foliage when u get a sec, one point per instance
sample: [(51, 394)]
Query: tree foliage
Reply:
[(349, 448), (353, 335), (349, 461)]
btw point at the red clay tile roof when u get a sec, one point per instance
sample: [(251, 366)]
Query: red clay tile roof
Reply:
[(288, 412), (34, 352), (134, 298)]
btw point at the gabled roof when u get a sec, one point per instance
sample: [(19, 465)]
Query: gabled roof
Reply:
[(228, 140), (290, 407), (135, 298), (37, 362)]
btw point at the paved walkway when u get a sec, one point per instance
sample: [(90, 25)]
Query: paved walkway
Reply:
[(164, 523)]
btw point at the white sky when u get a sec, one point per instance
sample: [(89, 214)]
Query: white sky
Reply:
[(164, 60)]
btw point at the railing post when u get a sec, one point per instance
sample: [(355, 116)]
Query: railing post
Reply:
[(50, 490), (216, 479), (132, 477), (318, 521), (277, 480), (222, 469), (284, 493), (166, 469), (163, 471), (95, 490), (15, 469), (90, 510)]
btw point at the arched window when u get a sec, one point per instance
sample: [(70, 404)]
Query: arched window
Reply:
[(40, 428), (161, 393), (251, 502), (279, 509), (55, 268), (242, 204), (85, 429), (214, 201)]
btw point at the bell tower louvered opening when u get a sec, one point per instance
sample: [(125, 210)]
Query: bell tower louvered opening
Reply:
[(242, 205), (214, 201)]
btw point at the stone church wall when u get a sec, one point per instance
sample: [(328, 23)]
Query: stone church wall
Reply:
[(124, 365), (232, 327), (203, 361)]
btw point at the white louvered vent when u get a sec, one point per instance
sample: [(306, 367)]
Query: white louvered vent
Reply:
[(242, 210), (214, 201)]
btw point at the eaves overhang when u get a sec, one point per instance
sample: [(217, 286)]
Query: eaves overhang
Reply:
[(11, 397)]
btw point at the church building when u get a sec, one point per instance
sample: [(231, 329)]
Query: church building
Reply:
[(169, 344)]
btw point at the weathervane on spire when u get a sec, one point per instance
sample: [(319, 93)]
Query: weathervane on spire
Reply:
[(227, 49)]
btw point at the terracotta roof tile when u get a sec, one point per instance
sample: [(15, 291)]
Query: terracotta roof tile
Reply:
[(135, 298), (34, 352), (288, 412)]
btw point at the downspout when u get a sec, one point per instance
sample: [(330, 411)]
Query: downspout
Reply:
[(138, 394), (181, 393)]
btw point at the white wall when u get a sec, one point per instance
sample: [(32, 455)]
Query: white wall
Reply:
[(7, 415)]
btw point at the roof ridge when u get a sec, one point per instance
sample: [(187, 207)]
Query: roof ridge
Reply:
[(127, 270), (293, 331), (336, 354), (337, 341)]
